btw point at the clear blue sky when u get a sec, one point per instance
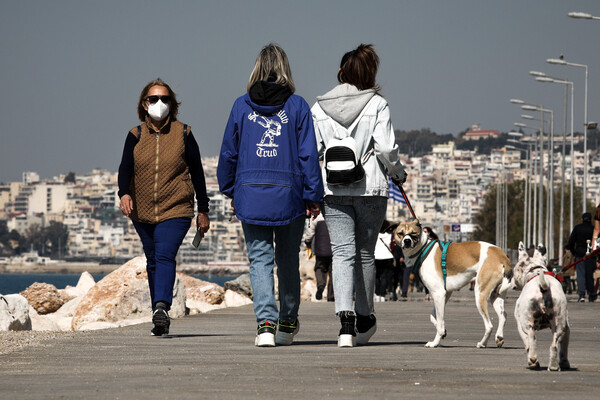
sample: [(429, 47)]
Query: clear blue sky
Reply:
[(72, 70)]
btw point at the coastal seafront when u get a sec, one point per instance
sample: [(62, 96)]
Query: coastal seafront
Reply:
[(61, 267)]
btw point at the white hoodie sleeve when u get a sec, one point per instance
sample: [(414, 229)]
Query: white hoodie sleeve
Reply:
[(385, 145)]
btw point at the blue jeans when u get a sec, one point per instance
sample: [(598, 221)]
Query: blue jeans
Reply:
[(263, 256), (161, 242), (353, 223)]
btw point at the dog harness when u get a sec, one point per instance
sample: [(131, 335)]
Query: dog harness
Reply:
[(424, 252), (552, 274)]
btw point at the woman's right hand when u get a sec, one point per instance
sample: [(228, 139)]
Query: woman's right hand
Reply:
[(126, 205)]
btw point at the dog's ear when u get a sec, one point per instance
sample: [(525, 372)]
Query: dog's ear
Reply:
[(542, 249), (521, 246), (418, 223)]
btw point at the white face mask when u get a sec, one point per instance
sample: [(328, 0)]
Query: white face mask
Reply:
[(158, 111)]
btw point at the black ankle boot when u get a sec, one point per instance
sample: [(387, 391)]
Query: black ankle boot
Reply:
[(348, 320)]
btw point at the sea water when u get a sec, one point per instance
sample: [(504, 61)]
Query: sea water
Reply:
[(16, 283)]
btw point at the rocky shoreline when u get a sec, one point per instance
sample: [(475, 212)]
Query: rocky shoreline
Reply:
[(41, 314), (95, 268)]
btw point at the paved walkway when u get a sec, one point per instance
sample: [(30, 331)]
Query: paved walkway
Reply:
[(211, 356)]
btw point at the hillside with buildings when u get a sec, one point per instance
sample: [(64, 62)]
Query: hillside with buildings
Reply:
[(446, 188)]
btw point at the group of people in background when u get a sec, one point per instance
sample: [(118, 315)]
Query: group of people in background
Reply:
[(269, 166)]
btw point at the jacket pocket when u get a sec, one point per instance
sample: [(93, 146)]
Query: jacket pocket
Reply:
[(268, 202)]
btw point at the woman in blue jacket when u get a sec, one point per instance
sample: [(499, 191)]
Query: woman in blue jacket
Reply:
[(269, 166)]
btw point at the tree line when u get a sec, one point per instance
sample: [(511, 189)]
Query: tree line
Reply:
[(49, 241)]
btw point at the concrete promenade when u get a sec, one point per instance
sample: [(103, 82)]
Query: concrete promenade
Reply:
[(212, 356)]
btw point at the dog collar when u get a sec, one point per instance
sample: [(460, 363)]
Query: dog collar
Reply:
[(418, 253), (552, 274)]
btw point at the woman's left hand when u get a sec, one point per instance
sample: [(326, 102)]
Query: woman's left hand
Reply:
[(314, 209), (203, 223)]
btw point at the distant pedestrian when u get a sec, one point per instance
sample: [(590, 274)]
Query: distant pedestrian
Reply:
[(316, 238), (430, 233), (384, 264), (355, 211), (402, 272), (579, 244), (159, 172), (270, 168)]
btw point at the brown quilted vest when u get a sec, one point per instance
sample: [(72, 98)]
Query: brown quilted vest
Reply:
[(161, 187)]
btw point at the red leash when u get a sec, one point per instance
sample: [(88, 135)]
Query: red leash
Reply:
[(593, 254), (407, 202)]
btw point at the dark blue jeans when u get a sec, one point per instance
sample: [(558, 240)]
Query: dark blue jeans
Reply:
[(161, 242)]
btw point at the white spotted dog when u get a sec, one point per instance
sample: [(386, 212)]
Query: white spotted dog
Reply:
[(485, 263), (542, 304)]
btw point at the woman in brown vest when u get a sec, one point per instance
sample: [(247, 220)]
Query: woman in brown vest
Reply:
[(160, 170)]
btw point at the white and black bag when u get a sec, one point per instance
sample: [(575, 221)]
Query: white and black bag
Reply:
[(343, 163)]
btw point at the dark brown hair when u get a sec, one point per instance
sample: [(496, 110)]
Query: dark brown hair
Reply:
[(359, 67), (173, 107)]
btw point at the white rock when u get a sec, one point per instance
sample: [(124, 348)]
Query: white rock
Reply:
[(14, 313), (123, 296), (234, 299), (201, 307), (45, 322), (84, 284)]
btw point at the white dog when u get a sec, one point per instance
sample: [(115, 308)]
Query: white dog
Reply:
[(542, 304), (465, 262)]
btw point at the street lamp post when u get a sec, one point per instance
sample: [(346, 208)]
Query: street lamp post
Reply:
[(560, 61), (548, 237), (526, 188), (533, 203), (562, 186)]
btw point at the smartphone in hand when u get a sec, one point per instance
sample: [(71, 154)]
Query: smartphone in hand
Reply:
[(197, 238)]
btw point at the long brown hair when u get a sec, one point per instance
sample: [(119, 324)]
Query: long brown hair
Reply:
[(272, 65), (173, 107), (359, 67)]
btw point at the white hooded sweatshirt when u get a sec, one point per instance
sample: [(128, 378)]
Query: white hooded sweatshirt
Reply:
[(374, 131)]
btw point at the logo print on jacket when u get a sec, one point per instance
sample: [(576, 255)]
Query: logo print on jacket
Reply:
[(267, 146)]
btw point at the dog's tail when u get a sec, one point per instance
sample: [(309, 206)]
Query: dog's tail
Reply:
[(543, 282), (544, 288)]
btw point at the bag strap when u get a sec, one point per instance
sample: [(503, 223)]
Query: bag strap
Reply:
[(386, 245), (335, 125)]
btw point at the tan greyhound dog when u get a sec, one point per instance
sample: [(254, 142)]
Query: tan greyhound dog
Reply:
[(485, 263)]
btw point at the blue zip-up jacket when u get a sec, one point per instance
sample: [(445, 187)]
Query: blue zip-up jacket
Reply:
[(269, 164)]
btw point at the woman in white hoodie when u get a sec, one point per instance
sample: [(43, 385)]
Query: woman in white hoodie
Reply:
[(354, 212)]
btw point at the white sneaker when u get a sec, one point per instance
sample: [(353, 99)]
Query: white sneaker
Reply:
[(346, 341), (369, 325), (265, 335), (286, 330)]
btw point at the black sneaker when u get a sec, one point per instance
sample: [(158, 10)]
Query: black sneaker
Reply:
[(265, 335), (347, 337), (286, 330), (319, 294), (161, 320), (365, 328), (581, 299)]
